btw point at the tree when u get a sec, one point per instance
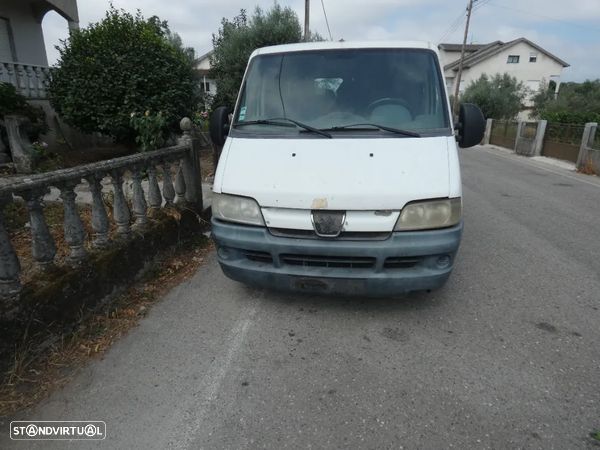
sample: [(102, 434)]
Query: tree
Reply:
[(499, 97), (238, 38), (545, 95), (574, 103), (121, 65)]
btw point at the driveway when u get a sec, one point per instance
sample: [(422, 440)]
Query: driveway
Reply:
[(506, 355)]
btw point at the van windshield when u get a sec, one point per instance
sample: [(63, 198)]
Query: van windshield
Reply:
[(352, 88)]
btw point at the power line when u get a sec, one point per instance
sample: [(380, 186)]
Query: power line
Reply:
[(326, 20), (542, 16), (453, 26)]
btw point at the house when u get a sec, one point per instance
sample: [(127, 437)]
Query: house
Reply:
[(521, 58), (21, 36), (207, 85), (23, 59)]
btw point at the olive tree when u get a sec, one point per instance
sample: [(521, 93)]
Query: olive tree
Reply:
[(118, 66), (499, 96), (238, 38)]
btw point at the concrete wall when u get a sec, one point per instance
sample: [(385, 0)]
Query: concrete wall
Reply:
[(26, 30)]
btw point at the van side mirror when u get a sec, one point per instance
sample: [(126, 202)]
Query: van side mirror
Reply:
[(219, 125), (471, 125)]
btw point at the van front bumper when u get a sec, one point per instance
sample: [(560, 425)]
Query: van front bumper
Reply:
[(406, 261)]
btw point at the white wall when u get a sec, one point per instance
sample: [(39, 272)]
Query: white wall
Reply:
[(203, 64), (27, 32), (531, 74)]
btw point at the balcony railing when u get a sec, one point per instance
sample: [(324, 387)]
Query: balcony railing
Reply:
[(30, 81)]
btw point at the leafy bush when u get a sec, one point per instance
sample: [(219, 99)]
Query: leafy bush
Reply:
[(120, 65), (13, 103), (151, 130), (499, 97), (575, 103), (238, 38)]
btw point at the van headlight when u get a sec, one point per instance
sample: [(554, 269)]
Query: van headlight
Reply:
[(233, 208), (430, 214)]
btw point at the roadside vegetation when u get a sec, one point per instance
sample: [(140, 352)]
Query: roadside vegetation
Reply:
[(138, 66), (575, 102), (239, 37), (499, 96)]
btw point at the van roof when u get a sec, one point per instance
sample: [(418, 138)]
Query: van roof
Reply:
[(329, 45)]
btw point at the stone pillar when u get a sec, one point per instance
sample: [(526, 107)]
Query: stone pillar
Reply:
[(488, 131), (19, 143), (538, 142), (191, 166), (589, 133)]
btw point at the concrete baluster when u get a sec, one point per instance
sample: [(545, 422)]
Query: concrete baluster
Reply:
[(154, 197), (180, 184), (100, 223), (120, 210), (168, 190), (22, 81), (73, 226), (43, 248), (30, 82), (139, 202)]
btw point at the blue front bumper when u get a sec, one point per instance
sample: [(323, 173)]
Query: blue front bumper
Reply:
[(406, 261)]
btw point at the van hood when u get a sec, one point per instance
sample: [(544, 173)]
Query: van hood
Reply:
[(338, 173)]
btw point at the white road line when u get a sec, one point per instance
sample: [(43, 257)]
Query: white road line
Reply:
[(537, 166), (190, 426)]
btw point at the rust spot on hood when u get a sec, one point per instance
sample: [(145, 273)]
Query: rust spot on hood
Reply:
[(319, 203)]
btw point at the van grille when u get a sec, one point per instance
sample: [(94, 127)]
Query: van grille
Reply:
[(345, 235), (350, 262)]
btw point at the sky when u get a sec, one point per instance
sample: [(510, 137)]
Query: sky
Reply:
[(568, 29)]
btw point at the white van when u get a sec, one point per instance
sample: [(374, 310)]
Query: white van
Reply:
[(339, 171)]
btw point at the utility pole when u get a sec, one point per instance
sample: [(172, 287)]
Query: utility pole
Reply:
[(306, 20), (462, 58)]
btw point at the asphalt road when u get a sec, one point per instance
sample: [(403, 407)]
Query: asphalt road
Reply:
[(506, 355)]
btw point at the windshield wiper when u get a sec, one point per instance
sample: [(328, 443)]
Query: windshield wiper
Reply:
[(374, 125), (280, 121)]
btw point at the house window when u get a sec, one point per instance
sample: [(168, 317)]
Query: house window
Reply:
[(7, 44), (513, 59), (205, 86), (533, 57)]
